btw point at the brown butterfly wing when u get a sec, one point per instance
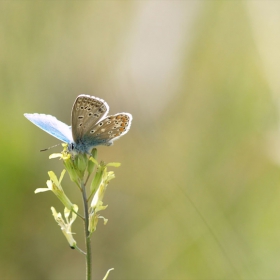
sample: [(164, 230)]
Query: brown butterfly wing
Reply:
[(86, 112), (109, 129)]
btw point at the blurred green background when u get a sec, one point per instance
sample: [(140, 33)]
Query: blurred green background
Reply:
[(198, 192)]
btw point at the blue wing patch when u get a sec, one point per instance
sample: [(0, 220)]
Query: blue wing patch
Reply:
[(52, 126)]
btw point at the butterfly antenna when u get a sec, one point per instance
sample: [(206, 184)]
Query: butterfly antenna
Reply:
[(43, 150)]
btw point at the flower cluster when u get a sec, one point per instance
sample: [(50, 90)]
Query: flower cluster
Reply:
[(80, 168)]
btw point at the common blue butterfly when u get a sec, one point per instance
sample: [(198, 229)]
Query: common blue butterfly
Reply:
[(90, 125)]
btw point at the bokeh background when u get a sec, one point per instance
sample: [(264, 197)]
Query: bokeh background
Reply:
[(198, 192)]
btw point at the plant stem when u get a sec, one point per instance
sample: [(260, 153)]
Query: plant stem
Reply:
[(87, 233), (80, 216)]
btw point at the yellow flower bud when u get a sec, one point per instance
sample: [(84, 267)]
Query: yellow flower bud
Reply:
[(92, 160)]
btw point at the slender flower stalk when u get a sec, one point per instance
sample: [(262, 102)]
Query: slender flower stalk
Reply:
[(87, 234)]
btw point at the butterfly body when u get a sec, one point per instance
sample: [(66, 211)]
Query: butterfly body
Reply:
[(90, 125)]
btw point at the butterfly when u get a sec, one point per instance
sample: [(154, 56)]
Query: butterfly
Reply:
[(90, 125)]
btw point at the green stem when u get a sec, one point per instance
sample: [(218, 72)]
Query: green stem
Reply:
[(80, 216), (87, 179), (80, 250), (87, 233)]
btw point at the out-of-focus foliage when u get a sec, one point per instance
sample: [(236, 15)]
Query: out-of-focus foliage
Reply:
[(198, 192)]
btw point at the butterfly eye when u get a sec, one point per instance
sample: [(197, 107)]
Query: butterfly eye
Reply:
[(71, 147)]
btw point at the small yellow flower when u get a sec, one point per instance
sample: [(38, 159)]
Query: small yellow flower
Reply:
[(66, 226), (98, 187), (101, 175), (54, 185), (92, 161), (93, 220), (68, 164)]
